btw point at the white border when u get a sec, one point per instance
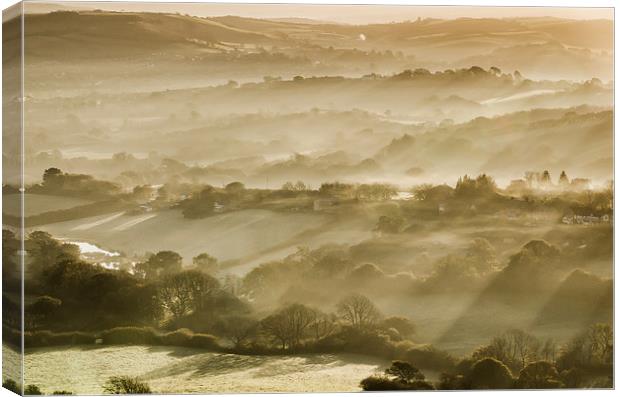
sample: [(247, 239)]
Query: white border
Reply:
[(534, 3)]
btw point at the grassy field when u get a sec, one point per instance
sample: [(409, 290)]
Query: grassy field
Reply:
[(82, 370), (38, 203), (244, 238)]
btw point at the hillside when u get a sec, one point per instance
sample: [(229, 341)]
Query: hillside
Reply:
[(146, 45)]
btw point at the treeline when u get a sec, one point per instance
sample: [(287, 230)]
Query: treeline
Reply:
[(161, 297), (235, 196), (515, 360), (57, 182)]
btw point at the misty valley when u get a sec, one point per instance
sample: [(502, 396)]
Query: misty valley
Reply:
[(239, 204)]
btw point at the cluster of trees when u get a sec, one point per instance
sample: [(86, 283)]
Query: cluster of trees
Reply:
[(462, 271), (482, 185), (474, 71), (543, 180), (515, 360), (401, 375), (585, 361), (298, 327), (70, 293), (235, 196), (55, 181), (29, 390), (364, 192)]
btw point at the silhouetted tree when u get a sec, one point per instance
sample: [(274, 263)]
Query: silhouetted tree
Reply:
[(404, 372), (239, 329), (563, 181), (32, 390), (206, 263), (126, 385), (358, 311), (403, 325), (41, 310), (290, 325), (390, 224), (490, 373), (11, 385), (160, 264), (186, 292), (539, 375)]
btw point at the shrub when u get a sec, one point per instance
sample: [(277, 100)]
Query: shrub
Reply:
[(204, 341), (380, 383), (404, 372), (186, 338), (383, 383), (130, 335), (49, 338), (32, 390), (361, 341), (539, 375), (11, 385), (490, 373), (125, 385), (429, 357), (180, 337)]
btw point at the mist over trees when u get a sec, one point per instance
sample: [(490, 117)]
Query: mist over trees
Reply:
[(421, 204)]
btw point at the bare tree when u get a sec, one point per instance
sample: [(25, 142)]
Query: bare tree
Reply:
[(323, 326), (600, 340), (525, 346), (185, 292), (515, 348), (290, 325), (240, 329), (359, 311)]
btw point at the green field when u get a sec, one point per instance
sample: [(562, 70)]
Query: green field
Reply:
[(39, 203), (82, 370)]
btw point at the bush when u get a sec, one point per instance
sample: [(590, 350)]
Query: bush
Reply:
[(490, 373), (130, 336), (359, 341), (11, 385), (204, 341), (49, 338), (126, 385), (429, 357), (383, 383), (380, 383), (186, 338), (180, 337), (32, 390), (539, 375)]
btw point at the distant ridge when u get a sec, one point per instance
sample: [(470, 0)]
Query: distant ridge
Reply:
[(306, 21)]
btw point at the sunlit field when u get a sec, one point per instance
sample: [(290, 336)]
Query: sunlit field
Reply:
[(180, 370), (219, 202)]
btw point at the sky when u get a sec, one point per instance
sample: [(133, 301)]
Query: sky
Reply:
[(353, 14)]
